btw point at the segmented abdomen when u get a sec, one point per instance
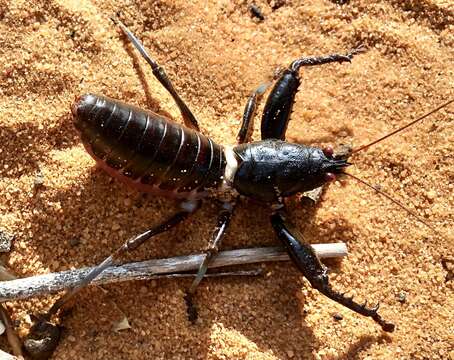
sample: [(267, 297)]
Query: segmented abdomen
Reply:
[(146, 150)]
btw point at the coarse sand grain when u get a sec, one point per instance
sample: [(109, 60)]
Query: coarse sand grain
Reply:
[(216, 53)]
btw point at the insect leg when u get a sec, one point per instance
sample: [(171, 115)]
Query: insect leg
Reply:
[(305, 259), (247, 124), (187, 208), (160, 74), (278, 107), (44, 336), (223, 222), (320, 60)]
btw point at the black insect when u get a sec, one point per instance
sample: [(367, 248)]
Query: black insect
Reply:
[(151, 153)]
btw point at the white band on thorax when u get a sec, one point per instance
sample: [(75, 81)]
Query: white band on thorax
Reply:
[(231, 164)]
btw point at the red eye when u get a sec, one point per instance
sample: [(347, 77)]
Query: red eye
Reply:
[(329, 177), (328, 151)]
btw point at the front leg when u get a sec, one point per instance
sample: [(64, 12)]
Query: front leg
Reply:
[(304, 257), (279, 104)]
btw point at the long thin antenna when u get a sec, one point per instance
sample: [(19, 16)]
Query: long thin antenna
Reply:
[(398, 203), (402, 128)]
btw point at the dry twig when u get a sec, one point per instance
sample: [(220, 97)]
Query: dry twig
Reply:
[(13, 339), (150, 269)]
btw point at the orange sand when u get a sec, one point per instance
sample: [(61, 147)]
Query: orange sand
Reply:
[(52, 51)]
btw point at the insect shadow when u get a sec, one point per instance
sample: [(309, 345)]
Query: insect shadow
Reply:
[(84, 206), (87, 208), (37, 152)]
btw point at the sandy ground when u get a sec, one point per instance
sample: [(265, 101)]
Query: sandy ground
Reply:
[(216, 53)]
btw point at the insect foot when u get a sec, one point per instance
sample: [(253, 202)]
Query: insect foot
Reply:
[(321, 283), (42, 339), (305, 259)]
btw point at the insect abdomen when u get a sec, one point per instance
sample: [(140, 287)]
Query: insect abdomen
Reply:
[(146, 150)]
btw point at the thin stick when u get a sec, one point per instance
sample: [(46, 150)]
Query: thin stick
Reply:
[(13, 339), (150, 269)]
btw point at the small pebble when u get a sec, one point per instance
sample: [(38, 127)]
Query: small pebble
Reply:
[(431, 195), (38, 181), (337, 317), (6, 240), (402, 297)]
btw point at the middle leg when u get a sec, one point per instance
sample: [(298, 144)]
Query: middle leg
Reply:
[(228, 207), (223, 222)]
